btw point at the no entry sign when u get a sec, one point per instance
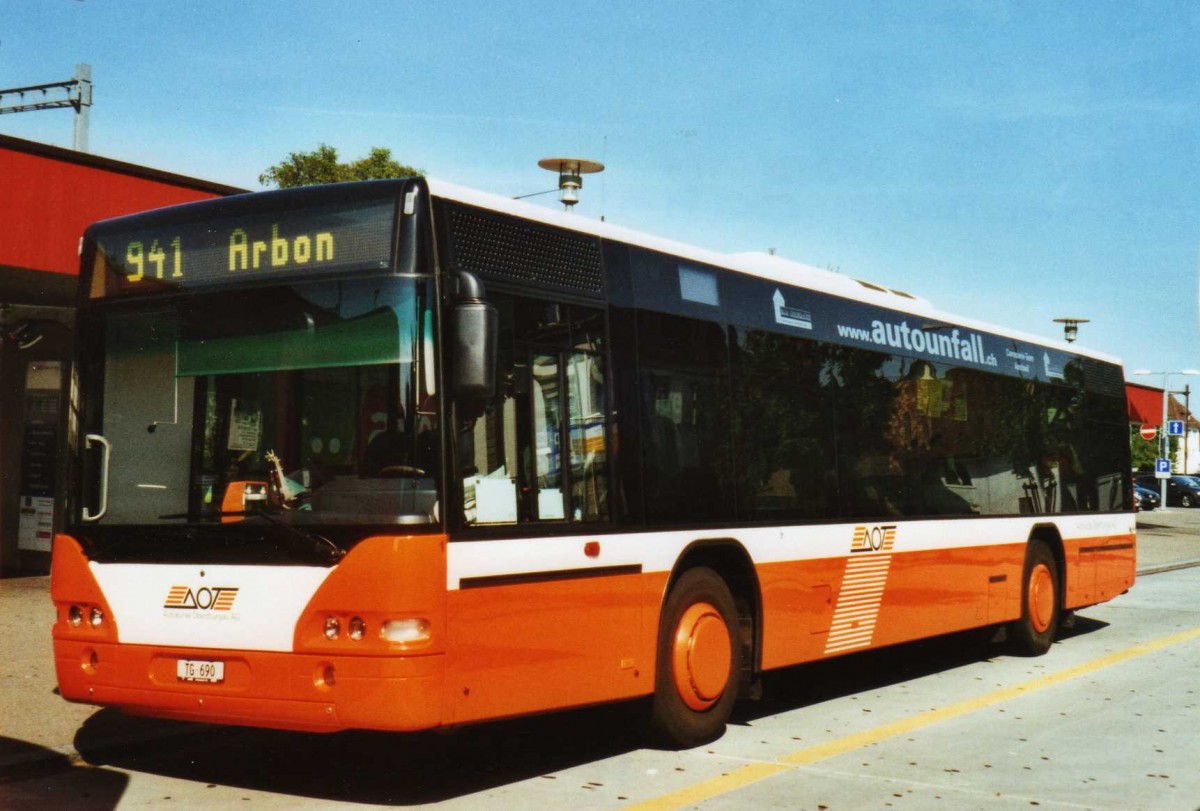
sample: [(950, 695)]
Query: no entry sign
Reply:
[(1148, 431)]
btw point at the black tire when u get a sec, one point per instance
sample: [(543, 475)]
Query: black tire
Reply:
[(1186, 501), (694, 691), (1041, 603)]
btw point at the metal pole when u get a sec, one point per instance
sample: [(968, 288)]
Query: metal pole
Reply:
[(1187, 418), (1163, 441), (82, 102), (75, 93)]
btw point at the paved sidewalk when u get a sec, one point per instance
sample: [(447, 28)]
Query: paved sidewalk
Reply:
[(35, 724), (38, 729), (1168, 539)]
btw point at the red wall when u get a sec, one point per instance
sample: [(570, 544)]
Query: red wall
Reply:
[(45, 204)]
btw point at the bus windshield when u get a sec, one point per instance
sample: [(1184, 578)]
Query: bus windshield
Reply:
[(308, 403)]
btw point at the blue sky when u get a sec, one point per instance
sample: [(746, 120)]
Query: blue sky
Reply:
[(1010, 161)]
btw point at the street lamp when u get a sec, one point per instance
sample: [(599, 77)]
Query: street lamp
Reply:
[(1163, 440)]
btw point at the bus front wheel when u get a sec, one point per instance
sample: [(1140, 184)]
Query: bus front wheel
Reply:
[(1041, 602), (699, 659)]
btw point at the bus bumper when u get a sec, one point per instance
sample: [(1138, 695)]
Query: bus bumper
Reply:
[(302, 692)]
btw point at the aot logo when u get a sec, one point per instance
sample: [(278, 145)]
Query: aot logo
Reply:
[(873, 539), (217, 598)]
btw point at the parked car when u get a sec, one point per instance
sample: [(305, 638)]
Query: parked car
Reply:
[(1144, 497), (1182, 491)]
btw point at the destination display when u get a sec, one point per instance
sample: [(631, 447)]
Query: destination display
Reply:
[(308, 241)]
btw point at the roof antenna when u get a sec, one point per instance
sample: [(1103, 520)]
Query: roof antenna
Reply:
[(604, 180)]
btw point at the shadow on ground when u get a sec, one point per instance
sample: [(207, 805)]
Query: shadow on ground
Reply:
[(366, 767), (31, 778), (411, 769), (805, 685)]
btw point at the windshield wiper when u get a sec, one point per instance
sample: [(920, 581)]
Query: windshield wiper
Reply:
[(324, 548)]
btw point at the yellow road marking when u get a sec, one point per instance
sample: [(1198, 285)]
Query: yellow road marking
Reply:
[(755, 772)]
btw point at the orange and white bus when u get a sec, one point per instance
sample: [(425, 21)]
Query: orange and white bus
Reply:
[(402, 455)]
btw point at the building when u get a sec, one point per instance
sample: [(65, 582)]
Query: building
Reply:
[(48, 196)]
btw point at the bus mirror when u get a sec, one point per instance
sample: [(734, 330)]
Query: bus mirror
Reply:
[(476, 323)]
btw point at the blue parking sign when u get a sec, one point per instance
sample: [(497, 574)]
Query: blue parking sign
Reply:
[(1162, 468), (1175, 428)]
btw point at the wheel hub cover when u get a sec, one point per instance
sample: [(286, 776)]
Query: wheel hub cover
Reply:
[(1041, 597), (701, 656)]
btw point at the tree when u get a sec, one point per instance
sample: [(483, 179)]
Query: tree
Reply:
[(322, 166), (1144, 452)]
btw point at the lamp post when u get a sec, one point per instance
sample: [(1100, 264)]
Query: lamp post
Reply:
[(1164, 440)]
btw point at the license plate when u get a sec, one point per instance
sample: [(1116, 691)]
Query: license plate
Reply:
[(196, 670)]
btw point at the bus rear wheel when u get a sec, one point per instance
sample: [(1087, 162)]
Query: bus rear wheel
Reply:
[(1041, 602), (699, 660)]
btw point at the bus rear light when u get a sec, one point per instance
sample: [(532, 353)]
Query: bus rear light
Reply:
[(333, 628), (409, 633)]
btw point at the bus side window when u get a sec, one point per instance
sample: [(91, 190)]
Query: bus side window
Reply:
[(686, 426)]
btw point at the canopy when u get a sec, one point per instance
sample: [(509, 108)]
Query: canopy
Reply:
[(1145, 405)]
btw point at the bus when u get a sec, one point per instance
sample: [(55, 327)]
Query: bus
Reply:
[(402, 455)]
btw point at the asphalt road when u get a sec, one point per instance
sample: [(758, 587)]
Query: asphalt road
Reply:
[(1106, 720)]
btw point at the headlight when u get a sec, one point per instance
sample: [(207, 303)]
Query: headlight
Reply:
[(75, 616), (357, 628), (95, 617), (333, 627)]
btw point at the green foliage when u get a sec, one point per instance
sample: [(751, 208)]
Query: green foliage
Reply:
[(1143, 453), (379, 165), (322, 166)]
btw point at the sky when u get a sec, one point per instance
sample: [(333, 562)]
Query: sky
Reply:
[(1012, 162)]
